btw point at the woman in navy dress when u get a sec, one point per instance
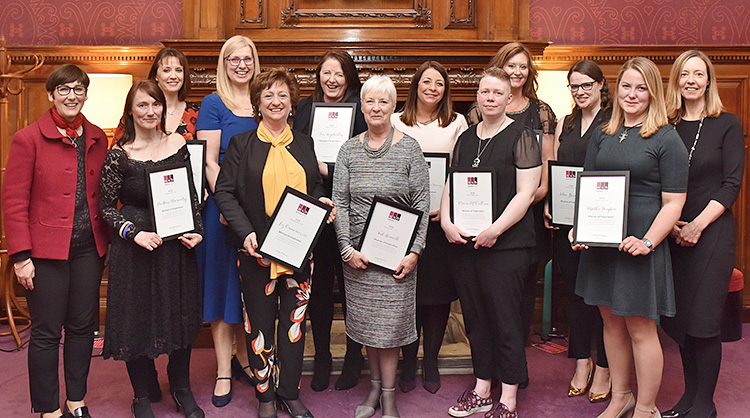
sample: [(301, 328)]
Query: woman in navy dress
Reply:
[(223, 114)]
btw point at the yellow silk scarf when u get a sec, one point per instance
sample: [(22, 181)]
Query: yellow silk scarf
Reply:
[(281, 170)]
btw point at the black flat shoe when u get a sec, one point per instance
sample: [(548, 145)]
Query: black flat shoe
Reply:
[(674, 414), (82, 412), (239, 372), (141, 408), (222, 400), (272, 404), (183, 399), (321, 375), (285, 407)]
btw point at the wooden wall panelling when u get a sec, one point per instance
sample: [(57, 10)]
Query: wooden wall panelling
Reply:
[(203, 19)]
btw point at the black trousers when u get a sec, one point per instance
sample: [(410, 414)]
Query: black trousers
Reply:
[(584, 321), (271, 347), (65, 296), (490, 286)]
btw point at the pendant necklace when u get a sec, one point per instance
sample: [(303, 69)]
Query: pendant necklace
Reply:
[(624, 134), (480, 149), (695, 142)]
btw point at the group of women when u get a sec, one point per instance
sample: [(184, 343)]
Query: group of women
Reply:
[(66, 192)]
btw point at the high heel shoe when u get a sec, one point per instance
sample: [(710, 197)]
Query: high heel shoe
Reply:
[(627, 410), (654, 412), (183, 399), (222, 400), (239, 373), (600, 397), (576, 391), (141, 408), (81, 412), (672, 413), (283, 405), (366, 411), (388, 390)]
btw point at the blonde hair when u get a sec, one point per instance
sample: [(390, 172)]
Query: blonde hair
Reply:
[(675, 105), (223, 85), (656, 117)]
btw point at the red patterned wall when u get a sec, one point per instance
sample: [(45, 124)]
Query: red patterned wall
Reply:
[(641, 22), (90, 22)]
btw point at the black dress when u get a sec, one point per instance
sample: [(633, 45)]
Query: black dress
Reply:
[(635, 285), (702, 272), (153, 297)]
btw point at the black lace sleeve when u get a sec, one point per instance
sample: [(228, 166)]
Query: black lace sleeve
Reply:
[(109, 191), (548, 118), (527, 153)]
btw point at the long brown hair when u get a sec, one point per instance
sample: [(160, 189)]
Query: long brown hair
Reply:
[(172, 52), (657, 112), (152, 89), (353, 84), (509, 51), (446, 115), (591, 69)]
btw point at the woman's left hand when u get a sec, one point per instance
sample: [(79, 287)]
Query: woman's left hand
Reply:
[(689, 235), (329, 202), (406, 265), (486, 238), (634, 246), (191, 239)]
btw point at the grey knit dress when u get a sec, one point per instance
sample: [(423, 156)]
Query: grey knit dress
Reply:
[(380, 309)]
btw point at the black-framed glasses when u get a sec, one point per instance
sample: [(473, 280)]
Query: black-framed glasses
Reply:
[(64, 90), (585, 86), (235, 62)]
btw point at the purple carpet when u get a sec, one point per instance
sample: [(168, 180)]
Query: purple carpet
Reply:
[(109, 393)]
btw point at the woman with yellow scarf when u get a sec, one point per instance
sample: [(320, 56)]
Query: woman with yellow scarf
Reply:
[(257, 167)]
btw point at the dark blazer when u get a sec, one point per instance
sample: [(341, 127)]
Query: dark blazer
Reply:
[(39, 191), (239, 188)]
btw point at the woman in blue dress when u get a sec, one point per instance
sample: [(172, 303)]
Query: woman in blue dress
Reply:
[(223, 114)]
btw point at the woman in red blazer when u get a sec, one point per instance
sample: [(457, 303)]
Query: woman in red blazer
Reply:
[(57, 239)]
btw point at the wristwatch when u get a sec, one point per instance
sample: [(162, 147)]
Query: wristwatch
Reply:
[(649, 244)]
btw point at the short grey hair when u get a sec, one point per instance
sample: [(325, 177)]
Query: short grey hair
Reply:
[(379, 84)]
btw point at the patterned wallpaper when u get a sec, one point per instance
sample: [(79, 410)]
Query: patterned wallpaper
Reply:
[(641, 22), (90, 22)]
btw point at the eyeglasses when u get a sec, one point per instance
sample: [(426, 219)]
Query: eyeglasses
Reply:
[(585, 86), (64, 90), (235, 62)]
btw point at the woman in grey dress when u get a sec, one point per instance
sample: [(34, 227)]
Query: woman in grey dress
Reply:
[(380, 305), (632, 284)]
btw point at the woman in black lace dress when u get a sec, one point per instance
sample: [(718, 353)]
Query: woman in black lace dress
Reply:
[(153, 297)]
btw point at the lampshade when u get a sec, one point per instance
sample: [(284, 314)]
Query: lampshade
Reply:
[(106, 99), (553, 90)]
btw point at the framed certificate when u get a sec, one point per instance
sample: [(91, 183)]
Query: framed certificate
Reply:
[(331, 125), (170, 200), (437, 167), (562, 191), (601, 210), (197, 150), (295, 226), (472, 200), (389, 233)]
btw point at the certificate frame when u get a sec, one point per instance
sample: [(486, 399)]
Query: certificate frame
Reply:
[(197, 150), (563, 181), (438, 164), (298, 205), (169, 196), (328, 130), (392, 222), (601, 215), (485, 186)]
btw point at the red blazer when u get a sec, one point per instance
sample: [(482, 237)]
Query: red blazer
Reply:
[(39, 192)]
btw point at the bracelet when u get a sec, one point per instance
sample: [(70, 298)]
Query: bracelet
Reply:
[(126, 226), (347, 253), (22, 265)]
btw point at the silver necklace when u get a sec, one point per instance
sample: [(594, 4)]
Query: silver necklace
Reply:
[(480, 149), (695, 142), (379, 152)]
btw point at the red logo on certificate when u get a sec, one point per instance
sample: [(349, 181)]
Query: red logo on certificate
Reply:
[(602, 185), (303, 209), (394, 216), (168, 178), (472, 181)]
